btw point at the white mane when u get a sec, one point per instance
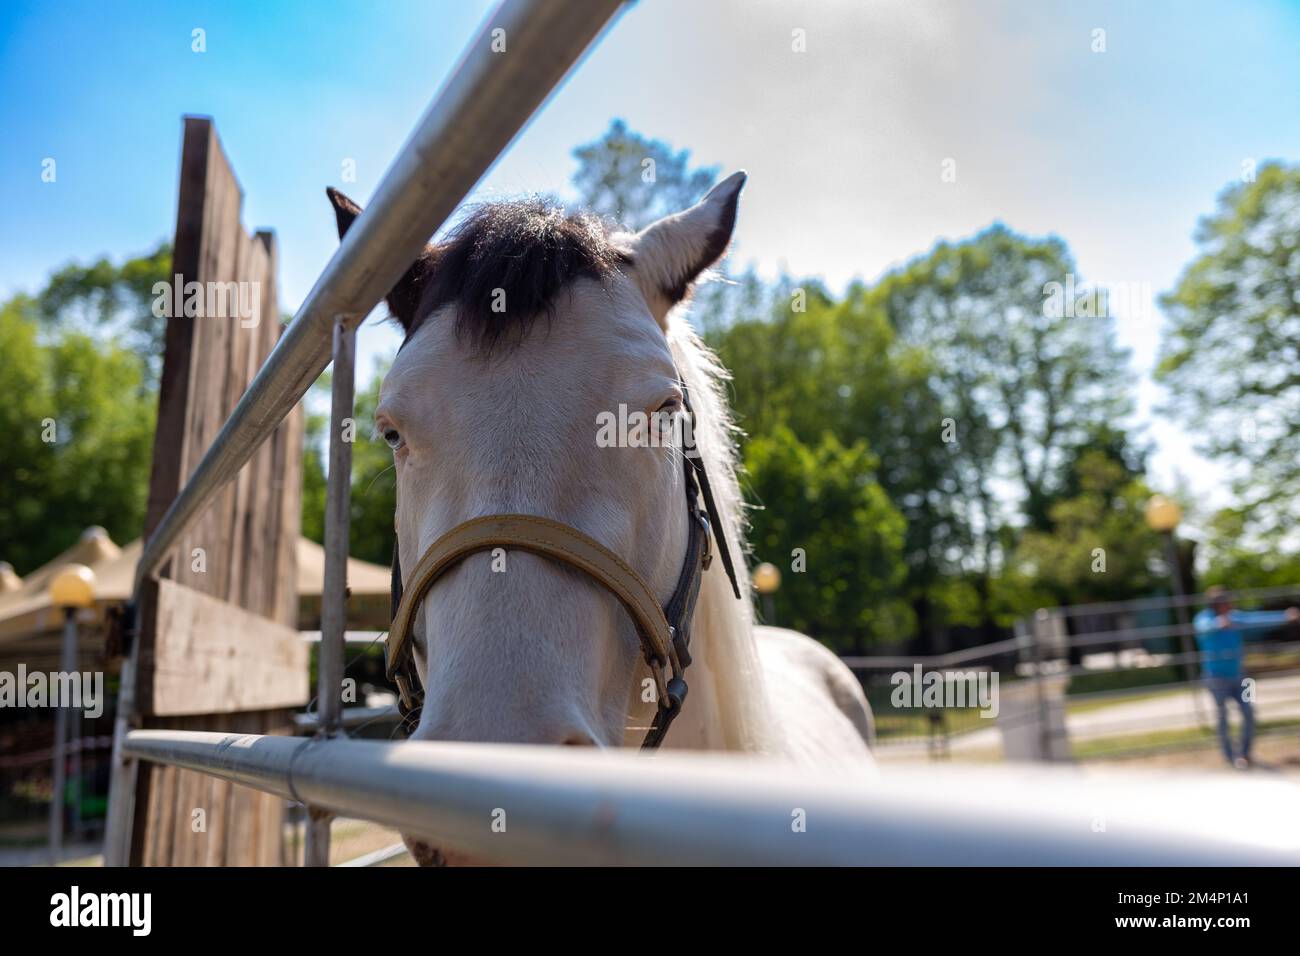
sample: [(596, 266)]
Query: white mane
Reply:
[(724, 628)]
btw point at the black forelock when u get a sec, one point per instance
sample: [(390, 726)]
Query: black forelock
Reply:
[(504, 264)]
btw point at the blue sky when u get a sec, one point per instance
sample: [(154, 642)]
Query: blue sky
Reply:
[(1118, 152)]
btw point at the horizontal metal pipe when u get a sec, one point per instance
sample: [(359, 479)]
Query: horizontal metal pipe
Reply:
[(537, 805), (487, 100), (955, 660), (349, 637), (351, 717), (1157, 603), (937, 661), (378, 857)]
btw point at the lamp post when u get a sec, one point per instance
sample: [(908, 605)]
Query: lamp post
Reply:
[(767, 578), (73, 588), (1163, 516)]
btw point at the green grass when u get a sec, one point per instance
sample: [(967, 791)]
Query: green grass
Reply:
[(906, 722), (1136, 678), (1267, 663), (1163, 739), (1139, 677), (1152, 677), (1101, 703)]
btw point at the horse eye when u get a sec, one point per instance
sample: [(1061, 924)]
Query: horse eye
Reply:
[(393, 439)]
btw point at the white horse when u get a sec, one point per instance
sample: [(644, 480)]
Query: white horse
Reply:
[(521, 330)]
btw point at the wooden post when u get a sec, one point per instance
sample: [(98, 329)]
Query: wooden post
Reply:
[(241, 551)]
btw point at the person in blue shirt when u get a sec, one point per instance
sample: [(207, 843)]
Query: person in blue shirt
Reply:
[(1219, 636)]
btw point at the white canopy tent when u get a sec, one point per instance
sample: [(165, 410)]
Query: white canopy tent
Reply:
[(26, 611)]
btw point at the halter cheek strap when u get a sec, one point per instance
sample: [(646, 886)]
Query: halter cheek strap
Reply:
[(664, 632)]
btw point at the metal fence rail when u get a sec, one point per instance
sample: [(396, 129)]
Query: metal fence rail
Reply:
[(567, 805)]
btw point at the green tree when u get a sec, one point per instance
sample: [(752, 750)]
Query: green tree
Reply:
[(634, 180), (1024, 374), (1234, 562), (1099, 547), (78, 420), (834, 513), (1231, 352), (374, 483), (314, 453), (114, 301), (1022, 377), (821, 367)]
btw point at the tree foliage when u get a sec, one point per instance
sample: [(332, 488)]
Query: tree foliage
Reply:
[(824, 520), (1099, 547), (838, 369), (634, 180), (91, 399), (374, 483), (1237, 561), (1231, 353), (112, 301), (1022, 381), (972, 393), (1022, 376)]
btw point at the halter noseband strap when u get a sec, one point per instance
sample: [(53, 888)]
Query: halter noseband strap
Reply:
[(664, 632)]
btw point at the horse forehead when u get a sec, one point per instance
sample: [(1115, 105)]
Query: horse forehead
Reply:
[(598, 333)]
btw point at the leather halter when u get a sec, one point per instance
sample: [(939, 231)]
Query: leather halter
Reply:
[(664, 632)]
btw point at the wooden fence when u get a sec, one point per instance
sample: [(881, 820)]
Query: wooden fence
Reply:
[(218, 647)]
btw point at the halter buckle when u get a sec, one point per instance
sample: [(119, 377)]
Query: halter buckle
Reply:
[(706, 554), (404, 692)]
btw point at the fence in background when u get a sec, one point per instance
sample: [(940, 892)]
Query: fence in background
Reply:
[(1124, 676)]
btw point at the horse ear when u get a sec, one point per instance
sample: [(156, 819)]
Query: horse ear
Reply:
[(404, 298), (669, 255), (345, 210)]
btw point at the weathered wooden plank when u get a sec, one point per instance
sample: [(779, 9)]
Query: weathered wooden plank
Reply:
[(160, 836), (246, 348), (207, 656), (248, 534), (166, 471), (211, 658), (182, 809)]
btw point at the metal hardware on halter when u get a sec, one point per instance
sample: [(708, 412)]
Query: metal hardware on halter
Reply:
[(706, 559), (664, 632), (405, 694)]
